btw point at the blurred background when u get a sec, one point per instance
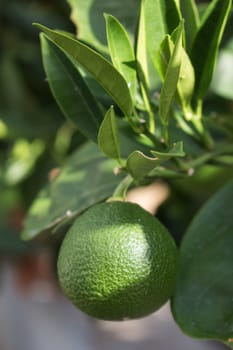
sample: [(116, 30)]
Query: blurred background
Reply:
[(35, 141)]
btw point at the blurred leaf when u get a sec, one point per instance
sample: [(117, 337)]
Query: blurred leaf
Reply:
[(70, 90), (22, 160), (161, 18), (139, 165), (121, 52), (87, 178), (108, 138), (223, 76), (229, 344), (101, 69), (89, 20), (175, 150), (20, 109), (202, 305), (11, 214), (171, 78), (224, 160), (162, 172), (190, 14), (206, 44)]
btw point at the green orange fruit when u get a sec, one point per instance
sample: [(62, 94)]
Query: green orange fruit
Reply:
[(117, 262)]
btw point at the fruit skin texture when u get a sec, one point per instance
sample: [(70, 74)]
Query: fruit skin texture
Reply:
[(117, 262)]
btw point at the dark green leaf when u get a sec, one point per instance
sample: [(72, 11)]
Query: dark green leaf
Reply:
[(139, 165), (191, 20), (171, 78), (108, 138), (101, 69), (206, 44), (87, 178), (161, 18), (70, 90), (121, 52), (202, 305)]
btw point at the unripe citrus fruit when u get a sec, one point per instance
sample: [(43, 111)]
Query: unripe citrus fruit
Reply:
[(117, 262)]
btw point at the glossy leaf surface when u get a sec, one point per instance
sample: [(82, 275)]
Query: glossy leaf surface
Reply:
[(108, 137), (190, 14), (70, 90), (186, 82), (139, 165), (171, 78), (206, 44), (87, 178), (161, 18), (121, 52), (101, 69), (202, 305)]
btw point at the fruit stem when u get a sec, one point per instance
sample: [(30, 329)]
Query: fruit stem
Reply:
[(120, 192)]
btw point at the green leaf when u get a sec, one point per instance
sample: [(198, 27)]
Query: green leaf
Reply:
[(74, 190), (162, 172), (141, 52), (108, 138), (206, 44), (101, 69), (121, 52), (186, 82), (161, 18), (88, 18), (175, 150), (171, 78), (139, 165), (202, 305), (223, 76), (191, 21), (70, 90)]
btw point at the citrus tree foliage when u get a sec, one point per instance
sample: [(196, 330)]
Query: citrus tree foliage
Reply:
[(134, 81)]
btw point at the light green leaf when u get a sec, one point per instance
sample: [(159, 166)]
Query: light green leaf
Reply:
[(175, 150), (141, 52), (171, 78), (222, 82), (161, 18), (108, 138), (139, 165), (70, 90), (202, 305), (121, 52), (191, 21), (101, 69), (74, 190), (206, 44), (146, 73), (186, 82), (88, 18)]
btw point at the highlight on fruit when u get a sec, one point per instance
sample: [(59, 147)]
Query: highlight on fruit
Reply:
[(117, 262)]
